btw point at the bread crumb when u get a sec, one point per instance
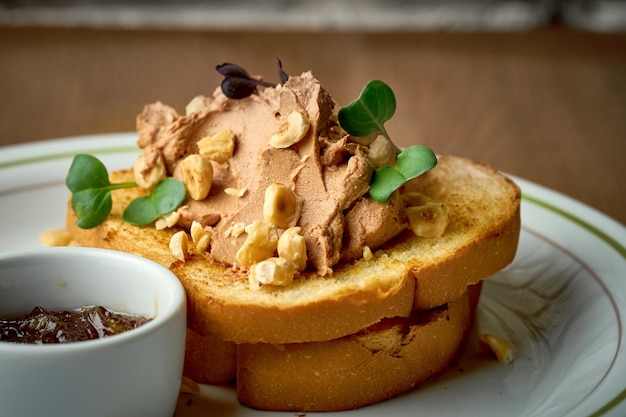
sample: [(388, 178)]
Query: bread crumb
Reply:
[(367, 253), (188, 386), (502, 349), (55, 237)]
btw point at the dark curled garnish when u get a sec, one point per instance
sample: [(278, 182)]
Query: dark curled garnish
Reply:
[(238, 84), (281, 73)]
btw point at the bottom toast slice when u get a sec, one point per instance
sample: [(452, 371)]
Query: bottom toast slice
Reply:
[(373, 365)]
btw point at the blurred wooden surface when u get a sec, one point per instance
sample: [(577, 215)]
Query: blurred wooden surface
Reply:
[(548, 105)]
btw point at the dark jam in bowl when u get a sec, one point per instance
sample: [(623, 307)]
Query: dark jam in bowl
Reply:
[(85, 323)]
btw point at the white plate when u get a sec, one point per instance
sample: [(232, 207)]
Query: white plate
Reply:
[(562, 302)]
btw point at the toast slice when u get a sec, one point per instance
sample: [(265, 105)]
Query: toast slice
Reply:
[(410, 273), (373, 365), (209, 360)]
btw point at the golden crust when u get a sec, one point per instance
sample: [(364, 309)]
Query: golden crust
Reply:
[(209, 360), (324, 318)]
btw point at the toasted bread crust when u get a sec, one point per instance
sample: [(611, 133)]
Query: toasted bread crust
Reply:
[(414, 273), (322, 319), (374, 365), (482, 235), (209, 360)]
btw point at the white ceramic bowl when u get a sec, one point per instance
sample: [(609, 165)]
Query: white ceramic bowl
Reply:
[(136, 373)]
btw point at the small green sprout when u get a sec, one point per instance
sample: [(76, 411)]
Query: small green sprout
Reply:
[(88, 180), (367, 115)]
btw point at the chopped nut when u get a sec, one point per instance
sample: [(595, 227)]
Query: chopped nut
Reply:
[(149, 169), (259, 245), (55, 237), (414, 198), (292, 246), (235, 230), (292, 131), (272, 271), (197, 104), (203, 243), (200, 237), (367, 253), (382, 152), (219, 147), (429, 220), (188, 386), (166, 221), (179, 244), (196, 230), (364, 140), (281, 206), (236, 192), (172, 218), (501, 348), (197, 176), (160, 224)]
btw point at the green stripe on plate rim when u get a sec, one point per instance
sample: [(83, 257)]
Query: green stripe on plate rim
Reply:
[(66, 155), (614, 244)]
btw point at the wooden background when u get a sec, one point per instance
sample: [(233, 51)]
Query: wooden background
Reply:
[(547, 105)]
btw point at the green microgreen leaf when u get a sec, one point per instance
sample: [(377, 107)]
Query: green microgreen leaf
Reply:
[(412, 162), (140, 211), (86, 172), (92, 206), (384, 182), (88, 180), (367, 114), (166, 197), (416, 160)]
